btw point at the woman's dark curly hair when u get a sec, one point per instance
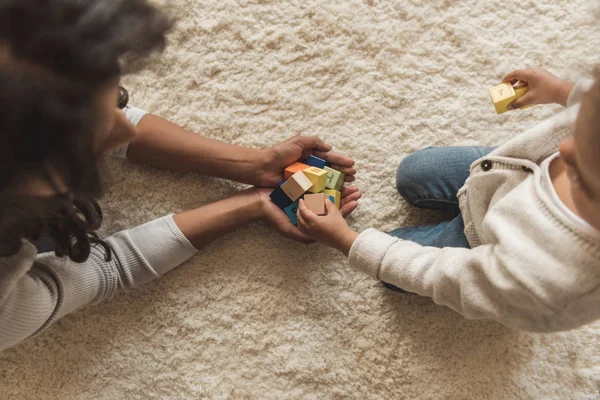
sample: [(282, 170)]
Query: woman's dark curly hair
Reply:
[(56, 56)]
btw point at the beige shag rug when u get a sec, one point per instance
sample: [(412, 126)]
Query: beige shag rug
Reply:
[(255, 316)]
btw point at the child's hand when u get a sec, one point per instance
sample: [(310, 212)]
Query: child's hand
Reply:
[(331, 229), (544, 87)]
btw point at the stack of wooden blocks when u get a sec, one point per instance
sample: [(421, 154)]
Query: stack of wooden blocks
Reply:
[(313, 181)]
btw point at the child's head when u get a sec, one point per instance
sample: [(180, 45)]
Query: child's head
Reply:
[(581, 153), (60, 64)]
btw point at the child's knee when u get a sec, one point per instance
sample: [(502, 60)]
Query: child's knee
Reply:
[(412, 171)]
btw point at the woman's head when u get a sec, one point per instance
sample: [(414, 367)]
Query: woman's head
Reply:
[(60, 64)]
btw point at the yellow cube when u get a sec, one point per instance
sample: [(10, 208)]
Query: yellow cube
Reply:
[(317, 177), (337, 196), (505, 93)]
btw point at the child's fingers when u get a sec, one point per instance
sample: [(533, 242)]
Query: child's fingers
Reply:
[(350, 178), (307, 215), (331, 208), (526, 100), (518, 75), (302, 225)]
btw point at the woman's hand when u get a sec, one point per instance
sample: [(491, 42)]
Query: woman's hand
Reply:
[(544, 87), (330, 230), (280, 156), (278, 219)]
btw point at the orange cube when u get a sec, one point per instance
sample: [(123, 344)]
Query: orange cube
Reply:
[(295, 167)]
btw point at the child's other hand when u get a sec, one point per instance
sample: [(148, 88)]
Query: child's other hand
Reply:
[(330, 230), (544, 87)]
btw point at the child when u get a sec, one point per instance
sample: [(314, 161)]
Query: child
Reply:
[(524, 248)]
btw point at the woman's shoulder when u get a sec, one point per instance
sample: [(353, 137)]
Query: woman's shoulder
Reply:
[(14, 267)]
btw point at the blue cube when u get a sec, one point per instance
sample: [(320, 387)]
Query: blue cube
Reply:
[(316, 162), (291, 211), (281, 199)]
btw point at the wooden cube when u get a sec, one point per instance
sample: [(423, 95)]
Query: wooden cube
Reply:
[(281, 199), (315, 203), (315, 161), (292, 169), (520, 92), (335, 195), (335, 179), (505, 93), (318, 178), (292, 211), (296, 186)]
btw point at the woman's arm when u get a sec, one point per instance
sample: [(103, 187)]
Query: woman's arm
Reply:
[(36, 291), (163, 144)]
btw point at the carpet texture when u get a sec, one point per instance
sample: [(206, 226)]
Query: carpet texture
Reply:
[(255, 316)]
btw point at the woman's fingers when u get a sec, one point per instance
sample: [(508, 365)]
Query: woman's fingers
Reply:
[(348, 208), (354, 196), (335, 159), (311, 143), (350, 197), (298, 235), (347, 190)]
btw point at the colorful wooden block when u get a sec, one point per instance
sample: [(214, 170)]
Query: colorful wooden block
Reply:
[(318, 177), (292, 169), (315, 203), (315, 161), (281, 199), (520, 91), (335, 179), (292, 211), (505, 93), (296, 186), (335, 196)]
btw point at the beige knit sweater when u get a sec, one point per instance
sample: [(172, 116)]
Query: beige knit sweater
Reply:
[(529, 268)]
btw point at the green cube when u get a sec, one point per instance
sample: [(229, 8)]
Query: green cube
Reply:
[(335, 179)]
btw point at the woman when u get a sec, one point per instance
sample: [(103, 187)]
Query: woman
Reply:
[(60, 63)]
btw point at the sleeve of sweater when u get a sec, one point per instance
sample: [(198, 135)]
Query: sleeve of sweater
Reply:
[(581, 87), (33, 296), (478, 283), (133, 115)]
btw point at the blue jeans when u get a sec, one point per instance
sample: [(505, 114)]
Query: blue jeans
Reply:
[(431, 178)]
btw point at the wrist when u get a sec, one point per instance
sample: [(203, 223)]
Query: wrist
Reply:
[(347, 239), (564, 92), (264, 160), (255, 204)]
